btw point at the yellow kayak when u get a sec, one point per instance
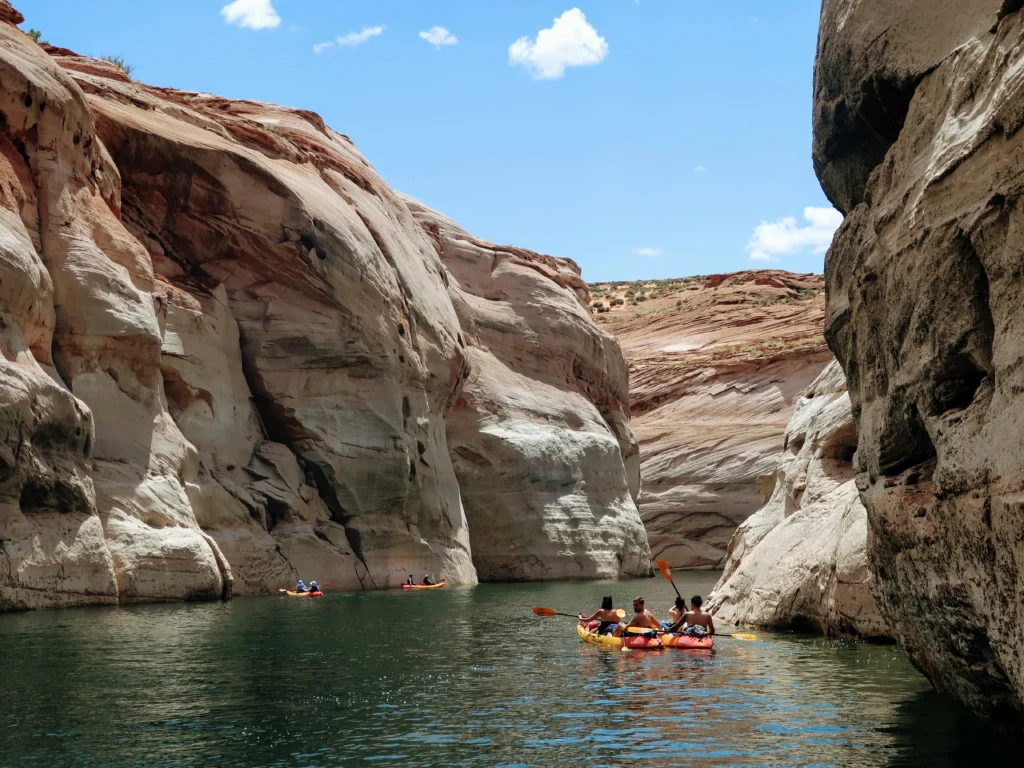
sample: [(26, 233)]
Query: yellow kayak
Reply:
[(638, 642)]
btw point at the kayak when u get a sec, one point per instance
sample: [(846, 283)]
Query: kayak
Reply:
[(636, 642), (686, 641), (293, 593), (439, 585)]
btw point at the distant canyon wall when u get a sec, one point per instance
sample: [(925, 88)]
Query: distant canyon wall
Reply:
[(232, 355), (717, 364), (917, 114)]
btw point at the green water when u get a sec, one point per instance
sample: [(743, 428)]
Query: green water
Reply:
[(450, 678)]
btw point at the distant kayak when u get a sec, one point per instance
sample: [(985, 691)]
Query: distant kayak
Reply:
[(293, 593), (587, 633), (439, 585)]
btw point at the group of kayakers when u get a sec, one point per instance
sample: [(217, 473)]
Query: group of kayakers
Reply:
[(301, 587), (692, 621)]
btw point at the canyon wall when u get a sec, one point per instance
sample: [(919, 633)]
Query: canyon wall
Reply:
[(716, 366), (231, 355), (800, 562), (917, 115), (541, 427)]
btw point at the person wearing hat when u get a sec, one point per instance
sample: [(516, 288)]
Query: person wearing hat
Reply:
[(427, 581)]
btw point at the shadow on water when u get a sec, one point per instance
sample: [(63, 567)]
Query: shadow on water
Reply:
[(933, 730)]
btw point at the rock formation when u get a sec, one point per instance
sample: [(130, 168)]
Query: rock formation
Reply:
[(232, 355), (800, 562), (917, 114), (541, 427), (716, 365)]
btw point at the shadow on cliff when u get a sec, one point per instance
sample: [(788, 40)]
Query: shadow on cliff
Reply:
[(934, 730)]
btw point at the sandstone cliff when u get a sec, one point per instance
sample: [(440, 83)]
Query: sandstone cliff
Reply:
[(232, 355), (800, 562), (716, 365), (541, 428), (917, 114)]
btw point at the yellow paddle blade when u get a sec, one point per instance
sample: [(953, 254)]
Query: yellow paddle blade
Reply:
[(641, 630), (621, 612), (665, 570), (545, 612), (745, 636)]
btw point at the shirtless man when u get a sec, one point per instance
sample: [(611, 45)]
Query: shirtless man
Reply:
[(641, 618), (695, 618)]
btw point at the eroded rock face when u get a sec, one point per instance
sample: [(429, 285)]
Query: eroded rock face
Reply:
[(717, 364), (800, 562), (541, 429), (231, 356), (925, 317)]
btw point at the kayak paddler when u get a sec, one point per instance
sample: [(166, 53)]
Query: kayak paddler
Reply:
[(675, 612), (300, 587), (410, 581), (427, 581), (606, 615), (314, 587), (641, 618), (695, 622)]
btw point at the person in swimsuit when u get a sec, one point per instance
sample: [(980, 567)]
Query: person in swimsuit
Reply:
[(606, 615), (695, 622), (641, 618), (675, 612)]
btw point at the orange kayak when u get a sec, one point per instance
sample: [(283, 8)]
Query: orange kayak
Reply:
[(439, 585), (293, 593)]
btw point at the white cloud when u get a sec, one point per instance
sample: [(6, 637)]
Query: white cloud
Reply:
[(438, 36), (647, 251), (253, 14), (353, 38), (571, 42), (773, 239), (700, 169), (360, 37)]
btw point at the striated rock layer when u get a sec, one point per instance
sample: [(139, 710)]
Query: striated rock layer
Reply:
[(800, 562), (716, 366), (541, 428), (918, 110), (232, 355)]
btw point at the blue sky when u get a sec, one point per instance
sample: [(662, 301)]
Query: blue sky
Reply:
[(644, 139)]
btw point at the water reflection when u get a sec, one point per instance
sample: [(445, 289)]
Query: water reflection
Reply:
[(453, 677)]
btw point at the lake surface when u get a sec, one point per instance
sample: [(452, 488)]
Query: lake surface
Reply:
[(454, 677)]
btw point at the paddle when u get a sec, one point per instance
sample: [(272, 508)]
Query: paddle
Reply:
[(667, 573), (749, 637), (548, 613)]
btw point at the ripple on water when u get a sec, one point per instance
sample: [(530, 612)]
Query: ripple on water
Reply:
[(470, 679)]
